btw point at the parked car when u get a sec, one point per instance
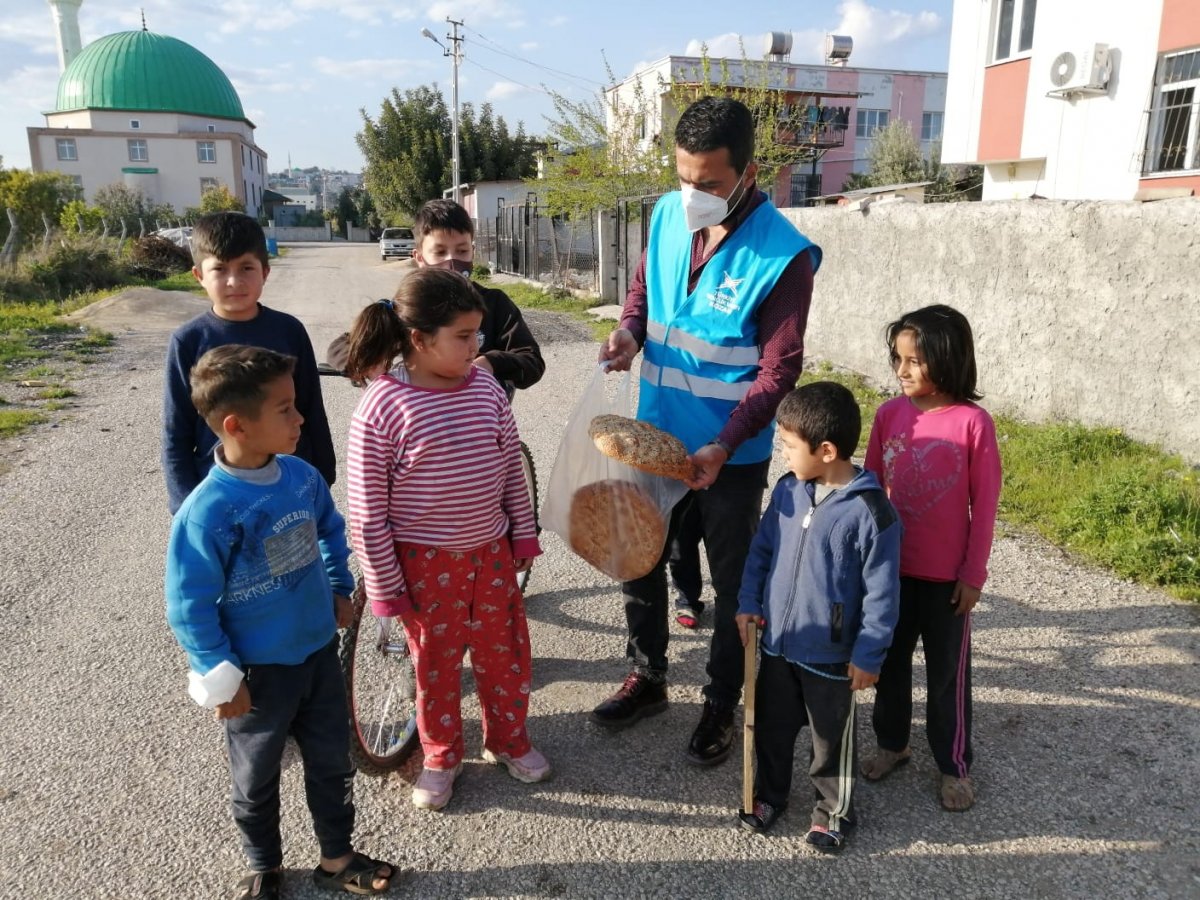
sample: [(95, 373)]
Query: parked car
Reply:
[(396, 242)]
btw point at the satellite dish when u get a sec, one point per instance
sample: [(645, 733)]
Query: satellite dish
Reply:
[(1062, 70)]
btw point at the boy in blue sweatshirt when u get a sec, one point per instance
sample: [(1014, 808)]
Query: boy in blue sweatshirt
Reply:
[(822, 581), (230, 251), (257, 585)]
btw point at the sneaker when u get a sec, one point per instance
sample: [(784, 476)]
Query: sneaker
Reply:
[(761, 818), (434, 787), (688, 614), (712, 741), (530, 768), (638, 698)]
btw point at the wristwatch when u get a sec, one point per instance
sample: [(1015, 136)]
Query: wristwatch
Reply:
[(717, 442)]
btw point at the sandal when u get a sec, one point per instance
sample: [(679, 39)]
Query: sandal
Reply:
[(884, 763), (762, 817), (357, 876), (957, 794), (260, 886), (827, 840)]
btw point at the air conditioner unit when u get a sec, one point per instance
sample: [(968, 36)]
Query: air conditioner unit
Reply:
[(1084, 71)]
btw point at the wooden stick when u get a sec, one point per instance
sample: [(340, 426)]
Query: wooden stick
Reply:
[(748, 718)]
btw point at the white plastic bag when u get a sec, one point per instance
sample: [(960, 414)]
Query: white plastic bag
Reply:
[(613, 516)]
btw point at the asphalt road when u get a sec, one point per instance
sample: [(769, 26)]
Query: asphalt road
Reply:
[(113, 784)]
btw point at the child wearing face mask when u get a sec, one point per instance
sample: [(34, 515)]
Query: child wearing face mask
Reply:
[(446, 240)]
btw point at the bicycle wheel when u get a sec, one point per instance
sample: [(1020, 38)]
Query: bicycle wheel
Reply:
[(530, 473), (381, 690)]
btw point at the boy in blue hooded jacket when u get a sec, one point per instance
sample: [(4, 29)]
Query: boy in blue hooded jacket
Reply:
[(823, 583)]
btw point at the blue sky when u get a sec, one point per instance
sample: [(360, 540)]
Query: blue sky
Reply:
[(304, 68)]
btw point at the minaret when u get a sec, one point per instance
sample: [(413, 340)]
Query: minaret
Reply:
[(66, 17)]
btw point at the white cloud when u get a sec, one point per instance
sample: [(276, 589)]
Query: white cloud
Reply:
[(32, 88), (502, 90), (33, 31), (557, 21), (529, 45), (472, 11), (365, 69), (875, 31)]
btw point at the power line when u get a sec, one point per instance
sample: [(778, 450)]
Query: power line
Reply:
[(539, 90), (497, 48)]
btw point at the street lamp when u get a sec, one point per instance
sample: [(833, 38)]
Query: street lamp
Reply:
[(455, 55)]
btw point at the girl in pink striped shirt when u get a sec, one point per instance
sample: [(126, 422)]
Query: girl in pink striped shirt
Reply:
[(441, 522), (935, 452)]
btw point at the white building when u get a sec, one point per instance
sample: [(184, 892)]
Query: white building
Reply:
[(150, 112), (1074, 99), (832, 109)]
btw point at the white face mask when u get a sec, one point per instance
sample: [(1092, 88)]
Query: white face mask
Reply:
[(702, 210)]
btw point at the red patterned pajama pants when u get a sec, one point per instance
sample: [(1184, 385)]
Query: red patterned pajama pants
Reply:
[(466, 600)]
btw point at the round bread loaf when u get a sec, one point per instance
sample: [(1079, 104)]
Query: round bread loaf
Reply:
[(640, 445), (617, 527)]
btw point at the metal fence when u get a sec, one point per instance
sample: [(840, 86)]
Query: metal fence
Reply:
[(523, 239), (117, 230)]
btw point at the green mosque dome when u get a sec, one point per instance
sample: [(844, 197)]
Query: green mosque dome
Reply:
[(138, 70)]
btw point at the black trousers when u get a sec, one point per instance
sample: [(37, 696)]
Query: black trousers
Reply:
[(729, 511), (788, 697), (307, 701), (683, 562), (926, 613)]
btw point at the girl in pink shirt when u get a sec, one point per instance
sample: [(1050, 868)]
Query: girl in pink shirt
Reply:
[(441, 522), (935, 452)]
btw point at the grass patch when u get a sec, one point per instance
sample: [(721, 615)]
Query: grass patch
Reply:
[(1094, 491), (56, 393), (14, 421), (182, 281), (527, 296), (55, 405)]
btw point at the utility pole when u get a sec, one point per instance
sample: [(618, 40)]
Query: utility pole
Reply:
[(454, 51)]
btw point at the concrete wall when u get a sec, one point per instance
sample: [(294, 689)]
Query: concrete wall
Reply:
[(300, 233), (1082, 311)]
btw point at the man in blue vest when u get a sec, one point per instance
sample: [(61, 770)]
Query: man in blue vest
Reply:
[(719, 305)]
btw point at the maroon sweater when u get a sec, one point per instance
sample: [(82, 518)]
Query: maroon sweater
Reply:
[(782, 318)]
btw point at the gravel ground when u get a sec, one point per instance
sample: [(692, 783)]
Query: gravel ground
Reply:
[(112, 783)]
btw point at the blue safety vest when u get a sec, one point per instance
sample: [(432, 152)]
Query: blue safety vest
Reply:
[(701, 350)]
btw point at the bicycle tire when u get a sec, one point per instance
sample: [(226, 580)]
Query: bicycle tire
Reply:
[(530, 472), (380, 691)]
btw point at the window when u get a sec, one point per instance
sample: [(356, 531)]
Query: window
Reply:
[(66, 148), (138, 152), (77, 180), (208, 184), (1014, 28), (135, 123), (931, 126), (212, 129), (1172, 142), (206, 151), (869, 120)]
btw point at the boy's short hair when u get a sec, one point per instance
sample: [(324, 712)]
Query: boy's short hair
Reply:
[(442, 215), (232, 379), (822, 411), (226, 236)]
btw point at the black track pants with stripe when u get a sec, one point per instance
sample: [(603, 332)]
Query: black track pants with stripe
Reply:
[(788, 698)]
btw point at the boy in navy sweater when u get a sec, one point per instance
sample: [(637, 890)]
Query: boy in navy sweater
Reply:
[(823, 582), (257, 585), (230, 251)]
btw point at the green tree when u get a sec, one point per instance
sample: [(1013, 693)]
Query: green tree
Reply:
[(220, 199), (895, 158), (77, 210), (118, 202), (408, 150), (30, 195)]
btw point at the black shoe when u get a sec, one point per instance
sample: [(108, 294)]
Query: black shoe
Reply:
[(638, 698), (712, 741), (826, 840), (762, 817)]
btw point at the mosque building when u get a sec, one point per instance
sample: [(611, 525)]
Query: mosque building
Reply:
[(150, 112)]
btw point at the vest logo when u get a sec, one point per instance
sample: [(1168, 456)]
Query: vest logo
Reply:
[(725, 297)]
